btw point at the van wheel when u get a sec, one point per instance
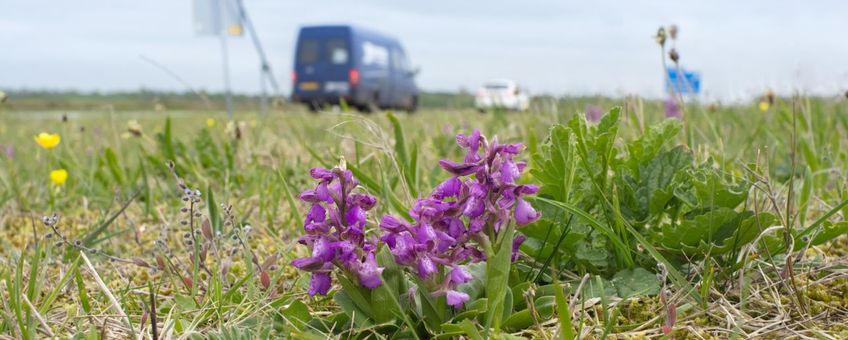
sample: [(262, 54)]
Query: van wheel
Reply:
[(314, 107), (372, 105)]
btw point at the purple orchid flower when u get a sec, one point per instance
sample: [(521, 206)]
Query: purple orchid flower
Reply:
[(516, 244), (8, 150), (320, 283), (672, 109), (335, 231), (456, 298), (451, 225), (594, 113)]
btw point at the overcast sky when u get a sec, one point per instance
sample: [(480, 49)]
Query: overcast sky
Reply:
[(559, 47)]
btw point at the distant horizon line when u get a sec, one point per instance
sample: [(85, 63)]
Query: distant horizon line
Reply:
[(92, 92)]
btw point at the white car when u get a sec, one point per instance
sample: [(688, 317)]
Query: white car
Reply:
[(502, 94)]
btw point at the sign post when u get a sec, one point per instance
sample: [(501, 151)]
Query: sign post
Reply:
[(266, 76), (220, 18)]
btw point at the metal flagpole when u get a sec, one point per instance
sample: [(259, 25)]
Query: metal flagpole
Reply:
[(225, 60), (263, 101), (266, 73)]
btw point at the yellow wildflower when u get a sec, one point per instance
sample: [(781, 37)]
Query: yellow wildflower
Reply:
[(764, 106), (47, 140), (59, 176), (210, 122)]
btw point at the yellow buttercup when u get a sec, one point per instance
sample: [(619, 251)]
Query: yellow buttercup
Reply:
[(764, 106), (48, 140), (59, 176)]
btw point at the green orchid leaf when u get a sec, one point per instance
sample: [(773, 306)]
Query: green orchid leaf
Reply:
[(297, 313), (352, 309), (635, 282), (544, 309)]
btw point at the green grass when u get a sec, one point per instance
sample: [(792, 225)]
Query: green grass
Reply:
[(123, 205)]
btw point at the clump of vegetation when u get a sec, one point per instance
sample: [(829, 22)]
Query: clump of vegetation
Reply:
[(630, 227)]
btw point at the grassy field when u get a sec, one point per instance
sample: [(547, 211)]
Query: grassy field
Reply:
[(726, 223)]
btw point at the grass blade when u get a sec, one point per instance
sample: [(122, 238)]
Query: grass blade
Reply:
[(105, 289)]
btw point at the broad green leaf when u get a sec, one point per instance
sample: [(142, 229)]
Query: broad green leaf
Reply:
[(297, 313), (383, 306), (358, 295), (522, 319), (595, 145), (656, 177), (593, 253), (432, 312), (713, 232), (596, 287), (185, 302), (589, 219), (472, 310), (554, 164), (712, 190), (507, 303), (702, 227), (470, 329), (497, 278), (518, 290), (635, 282), (386, 297), (450, 331), (646, 147), (477, 286), (352, 310)]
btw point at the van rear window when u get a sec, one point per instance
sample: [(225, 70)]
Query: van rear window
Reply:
[(337, 50), (308, 51)]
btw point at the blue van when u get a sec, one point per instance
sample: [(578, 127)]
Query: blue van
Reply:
[(368, 70)]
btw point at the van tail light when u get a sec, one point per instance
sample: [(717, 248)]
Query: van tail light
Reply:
[(293, 76), (353, 77)]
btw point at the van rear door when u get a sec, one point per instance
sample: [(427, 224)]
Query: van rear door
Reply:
[(322, 63)]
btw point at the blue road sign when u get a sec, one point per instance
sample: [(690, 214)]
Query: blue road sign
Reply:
[(689, 83)]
